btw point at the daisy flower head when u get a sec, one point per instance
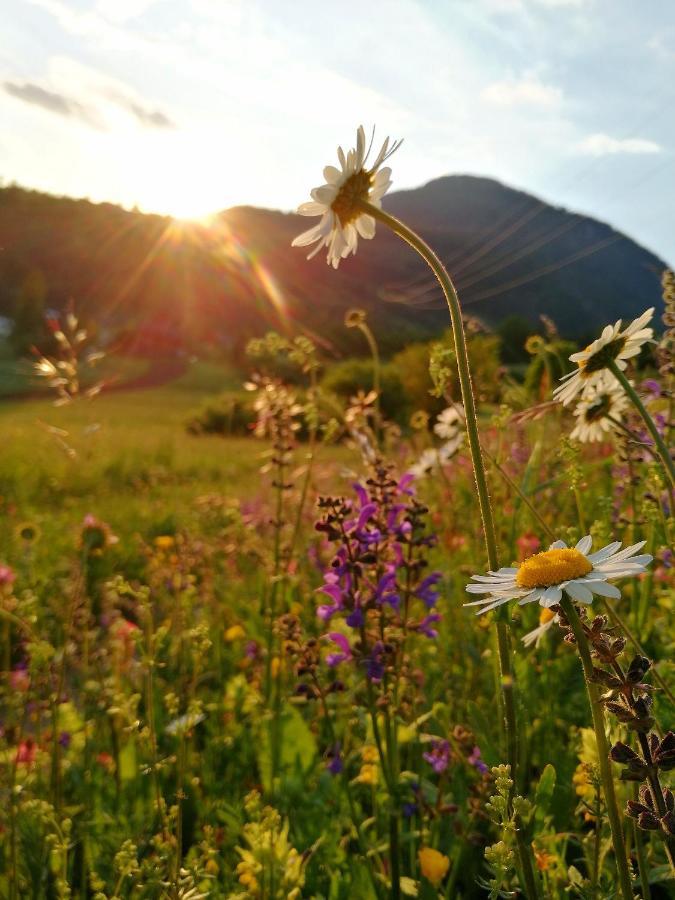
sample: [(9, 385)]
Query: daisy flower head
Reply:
[(338, 200), (574, 570), (614, 345), (599, 410), (547, 619)]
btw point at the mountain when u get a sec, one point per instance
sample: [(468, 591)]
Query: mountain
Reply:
[(167, 284)]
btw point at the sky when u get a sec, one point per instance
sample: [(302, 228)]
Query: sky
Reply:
[(186, 107)]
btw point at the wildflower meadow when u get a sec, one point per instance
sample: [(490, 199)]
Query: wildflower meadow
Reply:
[(322, 639)]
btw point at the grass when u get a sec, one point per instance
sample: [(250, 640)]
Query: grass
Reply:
[(134, 464)]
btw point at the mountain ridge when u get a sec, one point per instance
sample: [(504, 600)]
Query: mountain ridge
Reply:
[(508, 251)]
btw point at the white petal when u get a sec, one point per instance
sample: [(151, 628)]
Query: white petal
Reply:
[(551, 596), (311, 208), (603, 554), (578, 592), (531, 597), (308, 237), (558, 545), (324, 194), (365, 225), (584, 544), (332, 174), (602, 589)]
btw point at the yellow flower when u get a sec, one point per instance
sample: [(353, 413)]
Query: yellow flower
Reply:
[(369, 753), (368, 774), (234, 633), (434, 865), (164, 542)]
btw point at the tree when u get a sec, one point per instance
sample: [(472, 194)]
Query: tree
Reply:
[(29, 313)]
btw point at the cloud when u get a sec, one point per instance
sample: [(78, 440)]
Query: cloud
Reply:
[(53, 101), (525, 91), (604, 145), (149, 118)]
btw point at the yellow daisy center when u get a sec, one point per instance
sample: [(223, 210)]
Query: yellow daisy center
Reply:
[(356, 187), (552, 567)]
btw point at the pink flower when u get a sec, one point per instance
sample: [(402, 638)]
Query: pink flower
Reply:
[(528, 544), (7, 575)]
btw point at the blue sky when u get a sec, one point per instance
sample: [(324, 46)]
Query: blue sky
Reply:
[(189, 107)]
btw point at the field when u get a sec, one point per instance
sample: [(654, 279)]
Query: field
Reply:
[(240, 665)]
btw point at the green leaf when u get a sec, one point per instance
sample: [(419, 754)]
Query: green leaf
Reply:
[(544, 793), (297, 744)]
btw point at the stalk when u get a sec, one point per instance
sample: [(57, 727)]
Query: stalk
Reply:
[(662, 450), (603, 749), (507, 681)]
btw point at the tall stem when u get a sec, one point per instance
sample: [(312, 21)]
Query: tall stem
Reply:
[(661, 448), (503, 641), (603, 748)]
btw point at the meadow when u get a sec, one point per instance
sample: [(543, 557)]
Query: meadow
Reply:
[(199, 700)]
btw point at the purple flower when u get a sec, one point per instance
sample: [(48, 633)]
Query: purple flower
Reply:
[(355, 617), (475, 760), (361, 493), (439, 756), (386, 592), (425, 625), (345, 652), (333, 590), (404, 484), (374, 663), (409, 810), (425, 589), (651, 386), (64, 739), (335, 765)]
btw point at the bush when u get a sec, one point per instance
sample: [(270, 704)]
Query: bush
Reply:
[(348, 377), (228, 414)]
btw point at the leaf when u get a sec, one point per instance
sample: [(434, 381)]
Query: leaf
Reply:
[(127, 762), (297, 745), (544, 792)]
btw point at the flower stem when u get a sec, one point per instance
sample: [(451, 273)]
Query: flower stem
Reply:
[(603, 749), (666, 459), (461, 353)]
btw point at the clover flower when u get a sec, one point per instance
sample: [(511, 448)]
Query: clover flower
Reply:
[(337, 201), (599, 411), (544, 576), (613, 345)]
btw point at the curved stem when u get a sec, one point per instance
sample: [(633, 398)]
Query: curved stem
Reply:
[(503, 639), (661, 448), (603, 749)]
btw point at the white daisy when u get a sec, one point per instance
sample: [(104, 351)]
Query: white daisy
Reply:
[(599, 410), (337, 201), (576, 571), (433, 457), (613, 344), (449, 421), (547, 618)]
